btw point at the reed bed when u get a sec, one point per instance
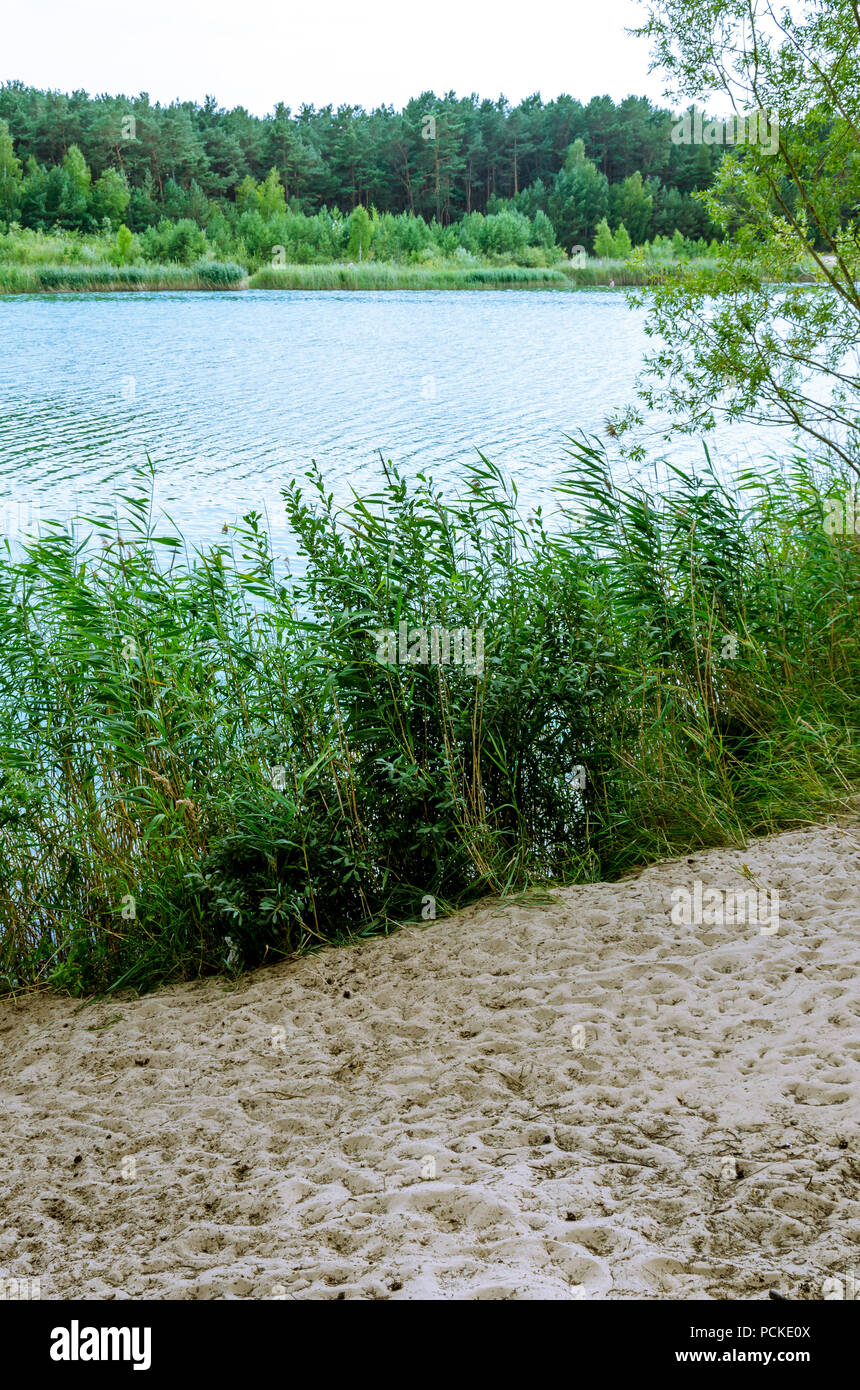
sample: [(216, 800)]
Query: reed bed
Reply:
[(638, 271), (207, 763), (376, 275), (370, 275), (39, 279), (373, 275)]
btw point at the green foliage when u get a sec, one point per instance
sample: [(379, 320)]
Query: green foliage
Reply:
[(266, 198), (359, 234), (77, 170), (630, 203), (621, 243), (543, 232), (562, 157), (85, 278), (219, 275), (143, 208), (181, 242), (506, 233), (124, 247), (271, 197), (785, 200), (111, 197), (203, 760), (10, 175), (578, 199), (604, 244)]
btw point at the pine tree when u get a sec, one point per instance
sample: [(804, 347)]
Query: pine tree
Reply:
[(579, 198), (143, 210), (543, 232), (631, 203)]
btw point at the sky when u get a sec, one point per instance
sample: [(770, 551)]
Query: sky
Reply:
[(356, 52)]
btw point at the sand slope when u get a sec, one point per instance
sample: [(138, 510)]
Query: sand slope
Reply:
[(697, 1137)]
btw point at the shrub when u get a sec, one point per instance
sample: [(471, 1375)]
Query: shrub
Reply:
[(182, 242), (125, 247)]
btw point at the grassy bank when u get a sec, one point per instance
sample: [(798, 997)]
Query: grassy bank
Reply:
[(376, 276), (370, 275), (39, 279), (204, 765)]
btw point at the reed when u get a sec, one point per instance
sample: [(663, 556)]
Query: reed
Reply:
[(37, 279), (374, 275), (205, 764)]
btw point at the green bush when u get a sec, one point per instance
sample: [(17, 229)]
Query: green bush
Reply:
[(182, 242)]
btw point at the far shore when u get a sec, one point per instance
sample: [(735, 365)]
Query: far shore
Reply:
[(105, 278)]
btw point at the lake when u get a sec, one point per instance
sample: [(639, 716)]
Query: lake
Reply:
[(233, 394)]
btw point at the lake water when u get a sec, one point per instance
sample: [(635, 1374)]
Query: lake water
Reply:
[(233, 394)]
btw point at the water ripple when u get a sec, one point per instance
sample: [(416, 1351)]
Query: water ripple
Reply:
[(233, 394)]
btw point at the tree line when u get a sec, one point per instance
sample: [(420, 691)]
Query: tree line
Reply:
[(75, 160)]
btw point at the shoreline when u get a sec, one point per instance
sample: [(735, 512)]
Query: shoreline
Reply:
[(42, 281), (130, 291), (170, 869), (644, 1109)]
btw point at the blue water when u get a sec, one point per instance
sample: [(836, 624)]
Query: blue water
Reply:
[(233, 394)]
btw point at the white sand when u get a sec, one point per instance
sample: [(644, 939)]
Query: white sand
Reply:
[(702, 1143)]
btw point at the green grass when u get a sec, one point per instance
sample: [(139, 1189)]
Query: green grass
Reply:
[(204, 766), (39, 279)]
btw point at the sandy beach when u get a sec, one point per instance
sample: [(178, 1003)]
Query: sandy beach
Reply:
[(569, 1098)]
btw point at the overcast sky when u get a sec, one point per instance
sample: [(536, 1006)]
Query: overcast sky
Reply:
[(361, 52)]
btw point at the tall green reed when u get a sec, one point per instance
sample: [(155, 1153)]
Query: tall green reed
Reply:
[(38, 279), (380, 275), (204, 765)]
